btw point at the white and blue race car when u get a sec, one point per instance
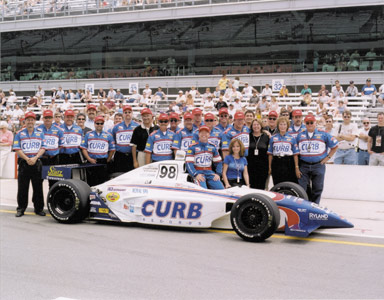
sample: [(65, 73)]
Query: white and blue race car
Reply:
[(163, 193)]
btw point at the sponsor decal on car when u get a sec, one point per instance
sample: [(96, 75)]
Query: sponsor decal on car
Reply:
[(103, 210), (172, 209), (318, 217), (113, 189), (97, 203), (112, 196)]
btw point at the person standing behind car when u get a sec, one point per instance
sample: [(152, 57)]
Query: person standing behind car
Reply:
[(235, 170), (283, 154), (29, 144), (184, 137), (80, 121), (98, 147), (376, 142), (257, 156), (70, 153)]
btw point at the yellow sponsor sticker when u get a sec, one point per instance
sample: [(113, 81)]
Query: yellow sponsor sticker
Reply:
[(113, 196), (103, 210), (55, 173)]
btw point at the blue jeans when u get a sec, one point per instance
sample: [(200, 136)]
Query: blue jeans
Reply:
[(345, 157), (363, 158), (314, 174), (213, 185)]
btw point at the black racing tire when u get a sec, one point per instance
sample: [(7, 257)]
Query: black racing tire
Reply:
[(68, 201), (116, 174), (255, 217), (290, 188)]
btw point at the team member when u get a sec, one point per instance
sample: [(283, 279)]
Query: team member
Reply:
[(249, 116), (140, 136), (29, 145), (98, 147), (183, 138), (174, 120), (70, 153), (80, 121), (159, 143), (313, 146), (376, 142), (223, 119), (197, 114), (199, 160), (54, 140), (282, 154), (215, 134), (58, 118), (122, 133), (235, 170), (236, 131), (272, 123), (91, 112), (297, 124)]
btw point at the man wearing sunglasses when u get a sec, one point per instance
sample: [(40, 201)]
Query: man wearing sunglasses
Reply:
[(362, 150), (98, 147), (347, 133), (236, 131), (159, 143), (70, 152), (223, 119), (197, 114), (174, 120), (313, 146), (91, 111), (376, 142), (297, 125), (183, 138), (215, 134), (272, 122), (80, 121)]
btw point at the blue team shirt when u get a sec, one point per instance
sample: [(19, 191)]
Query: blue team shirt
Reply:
[(123, 135), (293, 132), (235, 166), (29, 144), (72, 139), (200, 157), (182, 139), (315, 149), (98, 144), (282, 145), (54, 139), (159, 144), (232, 133), (214, 137), (221, 128)]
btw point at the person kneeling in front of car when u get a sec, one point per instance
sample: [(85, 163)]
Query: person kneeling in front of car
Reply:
[(200, 156)]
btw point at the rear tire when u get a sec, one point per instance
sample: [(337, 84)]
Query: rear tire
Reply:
[(255, 217), (290, 188), (68, 201)]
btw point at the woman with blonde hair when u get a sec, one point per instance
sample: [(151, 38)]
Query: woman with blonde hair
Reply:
[(6, 140)]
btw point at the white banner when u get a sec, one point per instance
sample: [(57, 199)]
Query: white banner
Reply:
[(277, 84)]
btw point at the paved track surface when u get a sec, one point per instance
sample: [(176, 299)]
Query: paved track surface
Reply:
[(42, 259)]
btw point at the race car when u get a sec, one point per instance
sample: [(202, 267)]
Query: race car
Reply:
[(163, 193)]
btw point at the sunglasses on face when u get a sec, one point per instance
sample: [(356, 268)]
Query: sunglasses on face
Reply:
[(309, 123), (163, 122), (209, 120), (99, 123), (365, 123), (173, 120), (272, 119), (328, 121), (81, 119)]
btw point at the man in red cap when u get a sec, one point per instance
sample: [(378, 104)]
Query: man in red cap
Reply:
[(140, 136), (29, 144), (199, 159), (215, 134), (313, 146), (197, 114), (91, 112), (272, 122), (183, 138), (236, 131), (70, 153), (297, 125), (159, 143), (174, 120), (223, 119), (98, 147), (54, 140), (122, 133)]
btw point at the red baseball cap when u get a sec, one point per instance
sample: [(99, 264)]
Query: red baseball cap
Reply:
[(223, 110), (146, 110), (310, 118), (29, 114), (127, 107), (188, 116), (174, 115), (273, 114), (209, 116), (91, 106), (99, 118), (204, 127), (69, 112), (297, 112), (163, 117), (48, 113), (239, 115), (197, 111)]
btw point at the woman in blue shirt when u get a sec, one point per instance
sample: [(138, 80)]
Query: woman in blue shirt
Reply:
[(235, 171)]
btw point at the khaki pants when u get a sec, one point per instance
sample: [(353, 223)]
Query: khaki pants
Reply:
[(141, 158)]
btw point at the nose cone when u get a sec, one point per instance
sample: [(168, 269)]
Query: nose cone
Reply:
[(336, 221)]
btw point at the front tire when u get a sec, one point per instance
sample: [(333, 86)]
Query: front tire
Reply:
[(255, 217), (290, 188), (68, 201)]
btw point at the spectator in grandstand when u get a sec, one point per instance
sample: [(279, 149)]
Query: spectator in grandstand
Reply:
[(209, 105), (236, 83), (258, 114), (297, 125), (263, 105), (323, 89), (53, 93), (336, 89), (118, 96), (249, 117), (12, 99), (347, 133), (66, 105), (147, 91), (338, 112), (111, 93), (284, 91), (307, 99), (376, 142), (306, 90), (274, 105), (223, 119), (207, 94), (73, 134), (160, 94), (197, 114), (40, 92), (283, 154), (363, 155), (102, 108), (267, 92), (79, 94), (110, 104), (236, 131), (235, 170), (321, 109), (284, 113), (57, 118), (381, 94), (158, 146), (231, 110), (101, 94), (190, 102), (272, 123), (17, 112), (323, 98), (3, 99), (7, 112), (80, 121), (216, 93), (222, 84), (369, 91), (248, 91), (221, 103), (254, 98), (371, 54), (144, 101), (180, 97), (199, 159), (87, 97), (6, 140), (122, 133), (235, 95), (352, 90), (237, 105), (60, 93)]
